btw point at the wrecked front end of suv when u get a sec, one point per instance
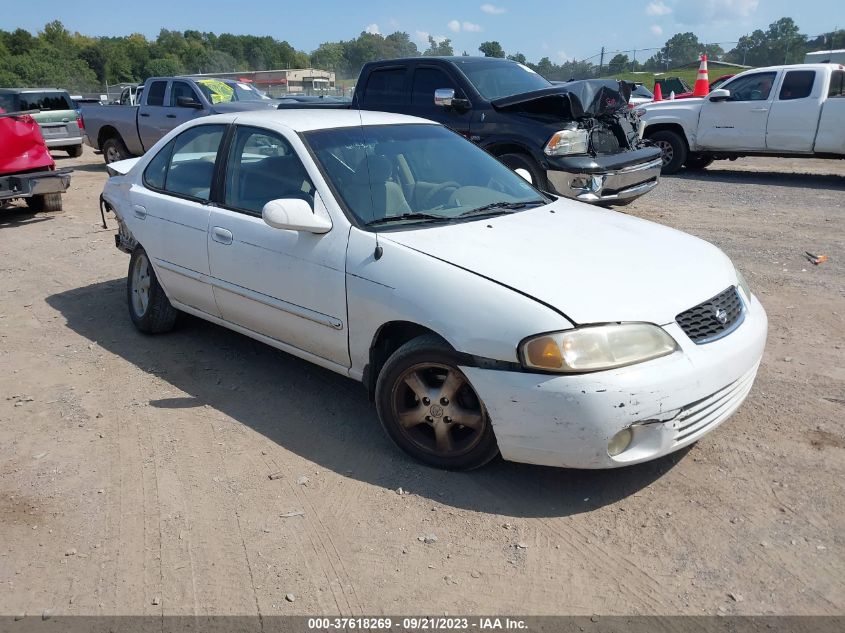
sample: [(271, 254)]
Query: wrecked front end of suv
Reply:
[(595, 152)]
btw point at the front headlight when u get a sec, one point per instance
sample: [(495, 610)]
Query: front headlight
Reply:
[(597, 347), (568, 141), (743, 285), (640, 112)]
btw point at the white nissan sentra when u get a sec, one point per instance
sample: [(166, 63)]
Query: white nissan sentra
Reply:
[(482, 315)]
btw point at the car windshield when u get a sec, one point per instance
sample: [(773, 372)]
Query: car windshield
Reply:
[(497, 79), (395, 175), (218, 91)]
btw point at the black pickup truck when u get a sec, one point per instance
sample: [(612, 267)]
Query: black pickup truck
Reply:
[(577, 139)]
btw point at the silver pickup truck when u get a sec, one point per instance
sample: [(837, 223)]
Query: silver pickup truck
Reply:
[(123, 131)]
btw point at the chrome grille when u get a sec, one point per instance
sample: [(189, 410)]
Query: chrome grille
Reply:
[(714, 318)]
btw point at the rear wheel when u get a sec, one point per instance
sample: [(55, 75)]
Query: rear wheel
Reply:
[(698, 161), (114, 150), (526, 167), (45, 202), (149, 308), (429, 408), (673, 148), (75, 151)]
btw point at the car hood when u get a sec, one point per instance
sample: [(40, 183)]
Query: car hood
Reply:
[(575, 99), (593, 265)]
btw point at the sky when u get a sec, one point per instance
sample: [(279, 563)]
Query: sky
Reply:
[(560, 29)]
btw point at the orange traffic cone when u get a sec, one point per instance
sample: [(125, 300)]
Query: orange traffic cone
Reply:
[(658, 93), (702, 82)]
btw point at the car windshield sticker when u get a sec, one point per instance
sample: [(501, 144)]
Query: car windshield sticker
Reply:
[(220, 92)]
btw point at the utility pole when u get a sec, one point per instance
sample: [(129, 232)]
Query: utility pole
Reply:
[(634, 61), (601, 61)]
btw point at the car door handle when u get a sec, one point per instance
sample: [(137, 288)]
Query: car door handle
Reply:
[(171, 116), (140, 212), (143, 114), (221, 235), (759, 109)]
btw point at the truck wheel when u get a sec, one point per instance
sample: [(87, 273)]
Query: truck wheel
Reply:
[(114, 150), (698, 161), (45, 202), (149, 308), (74, 151), (674, 150), (526, 167), (430, 410)]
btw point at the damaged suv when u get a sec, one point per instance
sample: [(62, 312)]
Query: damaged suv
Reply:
[(577, 139)]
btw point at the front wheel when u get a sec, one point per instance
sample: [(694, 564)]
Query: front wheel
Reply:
[(149, 308), (429, 408), (526, 167), (673, 148)]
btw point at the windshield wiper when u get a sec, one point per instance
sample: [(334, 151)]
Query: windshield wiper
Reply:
[(500, 207), (407, 217)]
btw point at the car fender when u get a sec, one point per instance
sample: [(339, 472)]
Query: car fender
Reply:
[(674, 114), (475, 315)]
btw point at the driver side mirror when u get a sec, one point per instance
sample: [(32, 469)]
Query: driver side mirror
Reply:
[(188, 102), (293, 214), (719, 94), (445, 98)]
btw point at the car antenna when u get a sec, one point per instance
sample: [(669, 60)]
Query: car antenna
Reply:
[(379, 250)]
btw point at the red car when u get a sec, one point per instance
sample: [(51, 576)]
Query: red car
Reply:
[(26, 168)]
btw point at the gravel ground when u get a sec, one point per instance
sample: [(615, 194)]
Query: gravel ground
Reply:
[(204, 473)]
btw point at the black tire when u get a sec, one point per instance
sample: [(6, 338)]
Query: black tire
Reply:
[(697, 161), (149, 308), (432, 365), (674, 149), (525, 162), (74, 151), (45, 202), (114, 150)]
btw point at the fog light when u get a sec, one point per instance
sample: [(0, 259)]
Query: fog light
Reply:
[(619, 442), (579, 183)]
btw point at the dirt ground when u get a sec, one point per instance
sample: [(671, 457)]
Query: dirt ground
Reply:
[(135, 471)]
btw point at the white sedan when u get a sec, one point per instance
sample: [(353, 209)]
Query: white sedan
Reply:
[(482, 315)]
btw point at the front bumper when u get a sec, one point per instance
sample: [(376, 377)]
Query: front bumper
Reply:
[(34, 184), (668, 403), (620, 178)]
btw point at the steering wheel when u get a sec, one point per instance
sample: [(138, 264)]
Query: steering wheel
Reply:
[(439, 189)]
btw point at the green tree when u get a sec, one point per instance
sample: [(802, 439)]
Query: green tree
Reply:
[(492, 49), (163, 67), (518, 57), (439, 49)]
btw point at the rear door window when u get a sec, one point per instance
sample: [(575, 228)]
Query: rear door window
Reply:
[(45, 101), (798, 84), (385, 87), (185, 166), (156, 95)]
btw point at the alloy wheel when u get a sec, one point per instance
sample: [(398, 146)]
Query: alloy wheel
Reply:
[(437, 409)]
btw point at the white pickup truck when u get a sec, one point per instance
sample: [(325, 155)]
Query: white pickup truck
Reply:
[(794, 111)]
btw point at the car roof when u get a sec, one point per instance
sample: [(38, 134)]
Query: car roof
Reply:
[(831, 65), (310, 119), (25, 90)]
